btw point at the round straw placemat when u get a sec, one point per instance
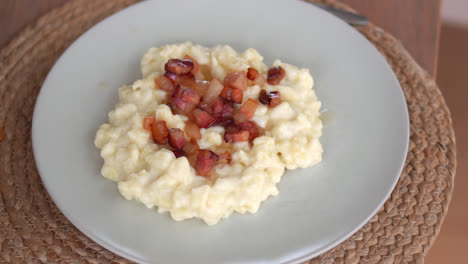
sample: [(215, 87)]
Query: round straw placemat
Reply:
[(33, 230)]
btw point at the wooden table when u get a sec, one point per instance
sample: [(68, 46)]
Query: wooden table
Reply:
[(416, 22)]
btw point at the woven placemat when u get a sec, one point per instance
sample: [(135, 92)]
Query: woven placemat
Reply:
[(33, 230)]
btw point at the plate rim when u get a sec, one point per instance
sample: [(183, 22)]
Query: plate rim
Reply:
[(109, 246)]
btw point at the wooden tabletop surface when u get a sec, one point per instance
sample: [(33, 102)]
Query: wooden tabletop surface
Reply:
[(416, 23)]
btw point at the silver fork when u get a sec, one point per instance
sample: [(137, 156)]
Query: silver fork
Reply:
[(350, 18)]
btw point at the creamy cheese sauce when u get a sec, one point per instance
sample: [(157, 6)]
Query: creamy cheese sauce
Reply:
[(150, 173)]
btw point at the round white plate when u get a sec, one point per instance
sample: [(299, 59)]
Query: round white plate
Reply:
[(365, 144)]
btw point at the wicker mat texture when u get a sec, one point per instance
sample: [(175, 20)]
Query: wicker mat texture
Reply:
[(33, 230)]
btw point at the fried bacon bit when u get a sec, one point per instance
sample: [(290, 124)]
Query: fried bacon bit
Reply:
[(202, 118), (249, 107), (183, 106), (252, 73), (260, 80), (189, 95), (179, 153), (147, 122), (206, 160), (178, 66), (184, 98), (271, 99), (246, 111), (275, 98), (239, 117), (217, 107), (251, 127), (205, 107), (207, 104), (192, 130), (198, 85), (225, 158), (183, 79), (176, 138), (191, 147), (236, 136), (228, 110), (275, 75), (224, 122), (164, 83), (171, 76), (188, 78), (236, 80), (254, 76), (213, 91), (2, 134), (159, 132), (263, 97), (201, 87), (232, 95), (242, 132), (196, 66)]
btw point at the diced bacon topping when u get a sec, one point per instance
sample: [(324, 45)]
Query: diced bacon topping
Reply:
[(183, 79), (148, 122), (254, 76), (210, 103), (205, 107), (214, 89), (248, 108), (178, 66), (171, 76), (184, 98), (228, 121), (271, 99), (217, 107), (176, 138), (192, 130), (201, 87), (252, 73), (159, 132), (225, 158), (236, 80), (237, 96), (251, 127), (164, 83), (179, 153), (232, 95), (187, 79), (224, 122), (191, 147), (198, 85), (236, 136), (189, 95), (260, 80), (196, 66), (184, 106), (239, 117), (206, 161), (228, 110), (275, 75), (275, 98), (263, 97), (203, 118)]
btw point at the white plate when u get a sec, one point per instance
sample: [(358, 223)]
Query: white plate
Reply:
[(365, 144)]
